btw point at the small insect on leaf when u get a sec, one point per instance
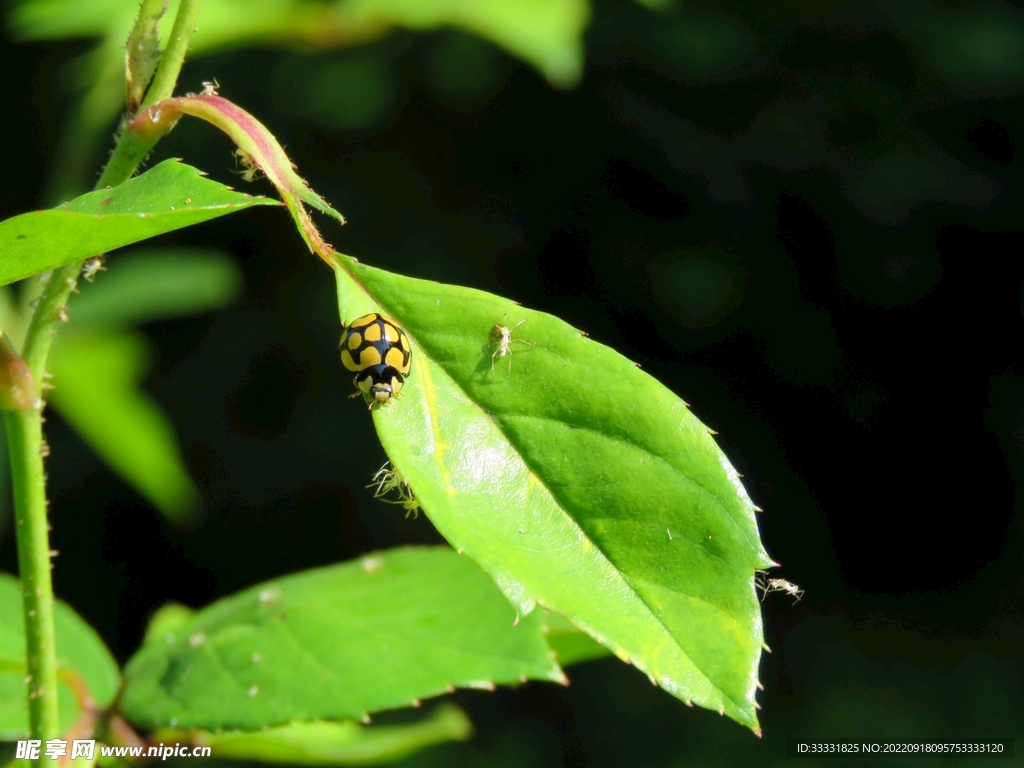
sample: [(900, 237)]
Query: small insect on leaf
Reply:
[(92, 267), (504, 341), (389, 479), (767, 585), (252, 171)]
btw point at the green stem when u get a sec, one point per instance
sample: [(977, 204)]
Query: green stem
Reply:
[(25, 439), (167, 71), (131, 148), (25, 428)]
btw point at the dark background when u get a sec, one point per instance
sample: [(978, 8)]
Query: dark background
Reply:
[(808, 226)]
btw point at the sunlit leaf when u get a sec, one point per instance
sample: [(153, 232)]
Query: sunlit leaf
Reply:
[(170, 196), (80, 653), (325, 743), (578, 482), (96, 379), (336, 643), (154, 285)]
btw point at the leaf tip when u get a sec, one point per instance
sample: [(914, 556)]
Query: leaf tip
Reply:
[(365, 719)]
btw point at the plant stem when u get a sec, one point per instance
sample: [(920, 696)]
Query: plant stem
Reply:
[(25, 441), (167, 71), (25, 428), (131, 148)]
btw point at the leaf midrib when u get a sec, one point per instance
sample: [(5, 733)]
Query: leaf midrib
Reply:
[(487, 414), (618, 435)]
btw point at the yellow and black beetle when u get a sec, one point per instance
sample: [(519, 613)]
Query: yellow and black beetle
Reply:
[(378, 352)]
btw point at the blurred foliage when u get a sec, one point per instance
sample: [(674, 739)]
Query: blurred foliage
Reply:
[(348, 93), (324, 743), (85, 662), (99, 362)]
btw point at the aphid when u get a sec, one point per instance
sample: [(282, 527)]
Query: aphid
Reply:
[(378, 351), (390, 479), (503, 339), (252, 171), (92, 267), (778, 585)]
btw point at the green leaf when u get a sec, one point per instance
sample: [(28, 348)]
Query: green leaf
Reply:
[(170, 196), (96, 389), (57, 19), (578, 482), (169, 619), (155, 285), (320, 743), (80, 651), (337, 643), (570, 644), (547, 34)]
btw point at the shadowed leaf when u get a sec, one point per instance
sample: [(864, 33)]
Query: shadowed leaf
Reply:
[(336, 643), (321, 743)]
